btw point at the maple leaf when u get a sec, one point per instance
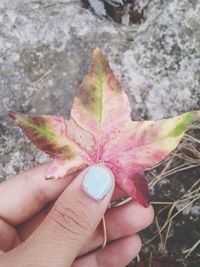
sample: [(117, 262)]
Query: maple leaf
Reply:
[(100, 131)]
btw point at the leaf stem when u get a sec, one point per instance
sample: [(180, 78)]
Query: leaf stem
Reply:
[(104, 232)]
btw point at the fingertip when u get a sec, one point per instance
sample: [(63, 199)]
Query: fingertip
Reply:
[(142, 217), (148, 215)]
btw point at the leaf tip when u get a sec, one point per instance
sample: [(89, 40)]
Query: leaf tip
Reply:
[(141, 192), (186, 120), (97, 51), (18, 117), (146, 204), (99, 57), (12, 114), (144, 200)]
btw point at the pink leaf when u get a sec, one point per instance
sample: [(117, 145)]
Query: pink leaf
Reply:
[(100, 131)]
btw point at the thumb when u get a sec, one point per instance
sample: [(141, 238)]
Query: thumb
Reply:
[(73, 219)]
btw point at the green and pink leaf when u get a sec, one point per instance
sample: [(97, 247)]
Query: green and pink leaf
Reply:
[(100, 131)]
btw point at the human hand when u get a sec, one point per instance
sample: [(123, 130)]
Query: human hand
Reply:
[(56, 223)]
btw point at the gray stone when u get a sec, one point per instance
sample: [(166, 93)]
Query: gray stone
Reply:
[(45, 50)]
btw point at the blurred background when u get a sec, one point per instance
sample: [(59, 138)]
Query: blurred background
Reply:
[(154, 49)]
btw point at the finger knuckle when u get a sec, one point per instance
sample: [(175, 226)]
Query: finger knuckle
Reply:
[(73, 219)]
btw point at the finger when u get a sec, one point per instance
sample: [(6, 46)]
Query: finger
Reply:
[(25, 194), (122, 221), (27, 228), (73, 219), (128, 247)]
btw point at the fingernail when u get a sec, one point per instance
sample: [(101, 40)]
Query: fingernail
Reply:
[(97, 182)]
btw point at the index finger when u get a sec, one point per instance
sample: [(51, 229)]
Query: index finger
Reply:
[(25, 194)]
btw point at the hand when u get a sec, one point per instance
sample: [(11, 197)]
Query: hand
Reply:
[(57, 223)]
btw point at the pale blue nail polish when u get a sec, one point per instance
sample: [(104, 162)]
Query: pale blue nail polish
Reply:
[(97, 182)]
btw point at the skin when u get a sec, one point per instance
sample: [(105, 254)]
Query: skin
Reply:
[(55, 223)]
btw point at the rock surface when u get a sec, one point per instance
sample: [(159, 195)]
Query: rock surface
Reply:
[(45, 50)]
